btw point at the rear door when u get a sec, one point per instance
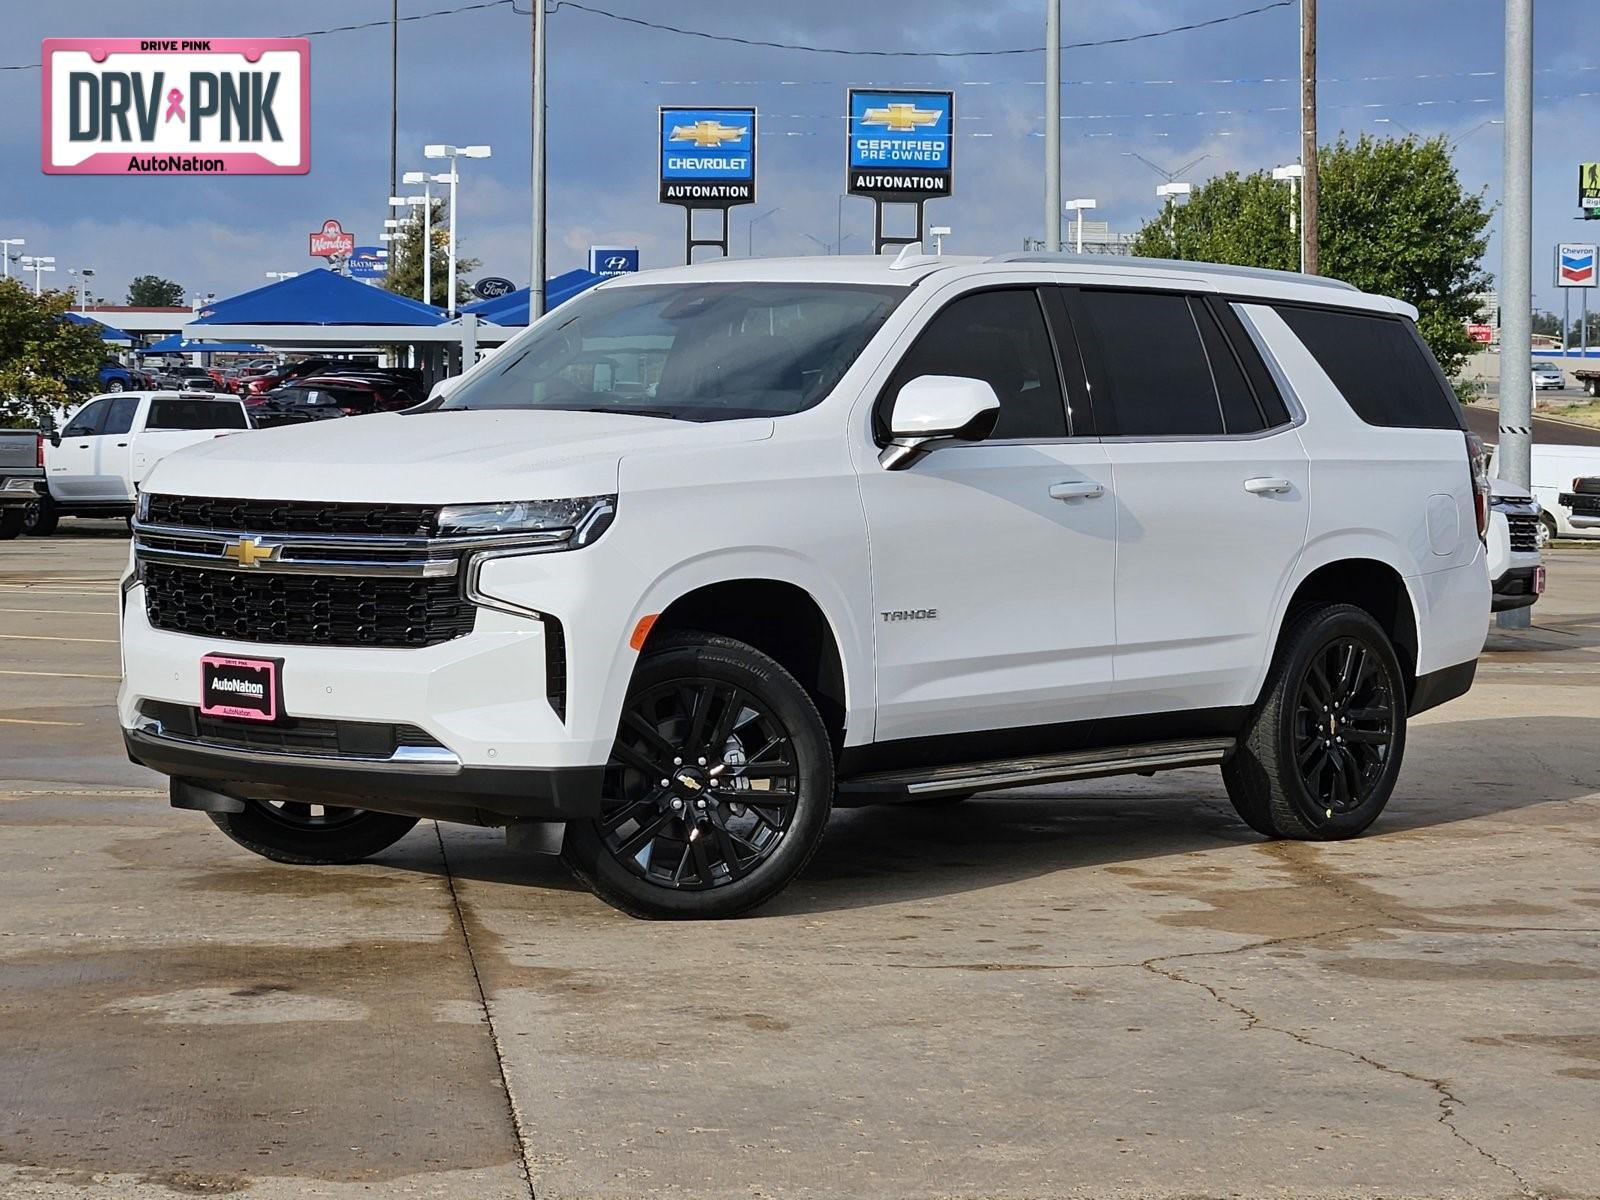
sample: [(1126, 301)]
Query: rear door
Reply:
[(113, 451), (178, 421), (1212, 496), (70, 467)]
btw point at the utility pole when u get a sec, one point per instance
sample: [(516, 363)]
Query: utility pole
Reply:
[(1308, 137), (1516, 266), (1052, 126), (394, 85), (536, 272)]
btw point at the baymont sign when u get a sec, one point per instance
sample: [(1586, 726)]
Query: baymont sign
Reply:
[(177, 106)]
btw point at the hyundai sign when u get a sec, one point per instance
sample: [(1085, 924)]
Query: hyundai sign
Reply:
[(613, 260), (902, 144), (177, 106), (708, 157), (1575, 264)]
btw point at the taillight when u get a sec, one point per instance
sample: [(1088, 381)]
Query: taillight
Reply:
[(1480, 485), (38, 458)]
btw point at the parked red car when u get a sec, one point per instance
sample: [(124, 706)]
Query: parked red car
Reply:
[(320, 397)]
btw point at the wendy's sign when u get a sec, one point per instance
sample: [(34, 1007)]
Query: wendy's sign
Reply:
[(331, 241), (177, 106)]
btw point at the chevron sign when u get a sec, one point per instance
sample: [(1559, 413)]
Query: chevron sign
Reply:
[(1575, 264)]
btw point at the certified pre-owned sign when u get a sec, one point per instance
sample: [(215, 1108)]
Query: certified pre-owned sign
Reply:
[(177, 106)]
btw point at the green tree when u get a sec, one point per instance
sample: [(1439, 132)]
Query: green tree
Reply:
[(1548, 324), (46, 362), (1394, 220), (152, 291), (405, 259)]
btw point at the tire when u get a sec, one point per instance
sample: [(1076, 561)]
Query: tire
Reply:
[(42, 518), (1546, 532), (1344, 784), (682, 834), (114, 386), (300, 834), (13, 521)]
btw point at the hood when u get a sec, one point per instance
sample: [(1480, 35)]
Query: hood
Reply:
[(443, 457), (1500, 489)]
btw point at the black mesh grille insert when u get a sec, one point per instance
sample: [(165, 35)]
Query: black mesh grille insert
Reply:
[(555, 665), (1523, 531), (293, 516), (313, 610)]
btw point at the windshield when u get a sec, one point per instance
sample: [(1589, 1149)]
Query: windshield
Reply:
[(689, 352)]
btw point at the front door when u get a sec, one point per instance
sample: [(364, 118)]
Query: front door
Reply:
[(70, 467), (992, 563)]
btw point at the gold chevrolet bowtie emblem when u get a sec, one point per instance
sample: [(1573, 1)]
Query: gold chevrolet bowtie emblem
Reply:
[(690, 782), (248, 552), (900, 118), (707, 133)]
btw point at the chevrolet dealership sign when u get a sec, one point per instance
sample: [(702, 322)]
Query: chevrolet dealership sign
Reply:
[(177, 106)]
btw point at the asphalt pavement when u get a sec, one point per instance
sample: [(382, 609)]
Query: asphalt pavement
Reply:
[(1110, 989)]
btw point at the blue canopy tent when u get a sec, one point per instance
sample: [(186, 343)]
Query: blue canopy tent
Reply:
[(319, 297), (108, 333), (512, 308), (174, 343)]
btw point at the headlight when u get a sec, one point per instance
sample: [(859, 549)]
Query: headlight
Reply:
[(141, 511), (561, 524)]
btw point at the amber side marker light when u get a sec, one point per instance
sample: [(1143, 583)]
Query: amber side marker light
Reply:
[(641, 631)]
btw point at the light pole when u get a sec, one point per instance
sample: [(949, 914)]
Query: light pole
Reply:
[(1292, 174), (1079, 207), (427, 181), (750, 230), (5, 254), (453, 153), (84, 274), (1052, 125), (939, 233), (1515, 426), (391, 226), (1410, 132), (38, 266), (1170, 193)]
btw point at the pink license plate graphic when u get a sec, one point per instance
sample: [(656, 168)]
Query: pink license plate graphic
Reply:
[(245, 689), (176, 106)]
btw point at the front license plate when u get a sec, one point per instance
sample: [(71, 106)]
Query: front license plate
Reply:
[(242, 689)]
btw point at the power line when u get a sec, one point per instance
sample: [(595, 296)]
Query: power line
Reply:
[(383, 24), (803, 48)]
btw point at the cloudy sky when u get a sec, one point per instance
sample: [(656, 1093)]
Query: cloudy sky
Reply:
[(1225, 95)]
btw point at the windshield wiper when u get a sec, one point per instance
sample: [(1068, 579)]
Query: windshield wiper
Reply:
[(633, 412)]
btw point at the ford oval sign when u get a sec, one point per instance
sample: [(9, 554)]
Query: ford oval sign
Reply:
[(491, 287)]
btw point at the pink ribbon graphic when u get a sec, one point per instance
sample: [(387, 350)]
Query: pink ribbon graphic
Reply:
[(175, 105)]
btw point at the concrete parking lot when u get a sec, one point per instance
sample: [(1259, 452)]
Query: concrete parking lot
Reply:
[(1110, 989)]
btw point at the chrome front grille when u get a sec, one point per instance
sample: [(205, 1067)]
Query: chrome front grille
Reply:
[(292, 573)]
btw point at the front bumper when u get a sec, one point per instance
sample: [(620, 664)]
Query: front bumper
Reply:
[(435, 786), (1520, 587)]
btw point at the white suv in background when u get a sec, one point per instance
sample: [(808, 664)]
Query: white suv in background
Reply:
[(708, 551)]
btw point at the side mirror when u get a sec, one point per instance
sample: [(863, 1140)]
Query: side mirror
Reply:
[(55, 437), (443, 388), (937, 408)]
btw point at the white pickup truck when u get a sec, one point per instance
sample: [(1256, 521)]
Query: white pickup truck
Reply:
[(94, 465)]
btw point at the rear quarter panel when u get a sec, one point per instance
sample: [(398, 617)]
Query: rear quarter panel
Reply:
[(1402, 497)]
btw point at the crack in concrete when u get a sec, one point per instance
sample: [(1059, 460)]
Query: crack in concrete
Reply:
[(1448, 1102), (513, 1109)]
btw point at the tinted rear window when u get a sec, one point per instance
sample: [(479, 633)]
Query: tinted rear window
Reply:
[(196, 414), (1380, 364)]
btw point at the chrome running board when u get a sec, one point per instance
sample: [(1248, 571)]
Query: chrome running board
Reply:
[(1148, 757)]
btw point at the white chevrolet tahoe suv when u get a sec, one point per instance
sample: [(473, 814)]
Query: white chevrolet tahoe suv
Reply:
[(708, 551)]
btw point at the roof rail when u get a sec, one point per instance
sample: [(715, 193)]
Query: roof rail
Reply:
[(1176, 264)]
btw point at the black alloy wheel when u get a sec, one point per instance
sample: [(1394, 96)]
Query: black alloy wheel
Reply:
[(1345, 721), (719, 783), (1321, 751)]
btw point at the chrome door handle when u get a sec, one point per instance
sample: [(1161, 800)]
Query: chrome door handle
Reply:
[(1267, 487), (1076, 489)]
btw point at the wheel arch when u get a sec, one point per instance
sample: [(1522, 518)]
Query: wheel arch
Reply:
[(1372, 585), (778, 617)]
